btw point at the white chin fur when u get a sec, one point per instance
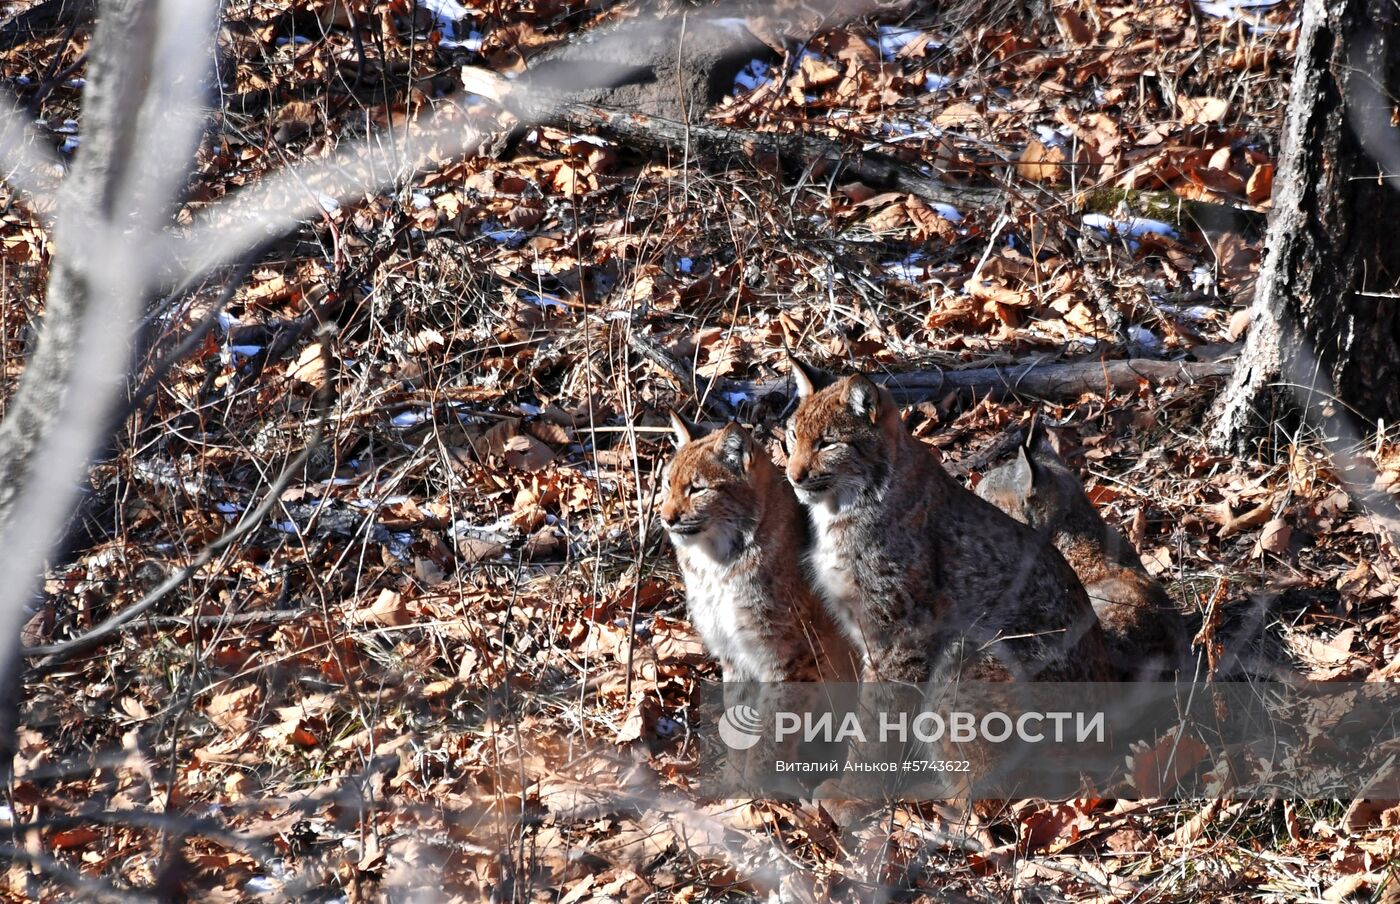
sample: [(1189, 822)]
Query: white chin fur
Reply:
[(827, 504), (685, 541)]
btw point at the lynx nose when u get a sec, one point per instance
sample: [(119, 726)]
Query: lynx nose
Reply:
[(797, 474)]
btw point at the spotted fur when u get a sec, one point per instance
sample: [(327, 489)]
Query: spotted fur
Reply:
[(739, 536), (917, 568), (1148, 636)]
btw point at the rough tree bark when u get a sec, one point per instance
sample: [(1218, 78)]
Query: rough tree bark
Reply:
[(1325, 330)]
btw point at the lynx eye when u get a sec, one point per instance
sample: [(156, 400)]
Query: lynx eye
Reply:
[(696, 489), (828, 442)]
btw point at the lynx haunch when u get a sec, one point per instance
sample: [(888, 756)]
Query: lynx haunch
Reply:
[(1147, 634)]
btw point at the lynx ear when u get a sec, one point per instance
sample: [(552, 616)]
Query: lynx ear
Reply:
[(735, 447), (1023, 474), (684, 430), (808, 379), (1038, 445), (863, 397)]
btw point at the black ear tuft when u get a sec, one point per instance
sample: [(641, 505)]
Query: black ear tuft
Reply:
[(808, 379), (1038, 444), (685, 431), (863, 397), (1023, 474), (735, 447)]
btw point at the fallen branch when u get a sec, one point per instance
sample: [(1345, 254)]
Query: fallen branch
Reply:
[(651, 133), (681, 371), (1034, 379)]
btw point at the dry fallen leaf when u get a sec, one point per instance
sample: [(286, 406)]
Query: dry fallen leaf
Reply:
[(388, 609), (1274, 538), (1201, 110)]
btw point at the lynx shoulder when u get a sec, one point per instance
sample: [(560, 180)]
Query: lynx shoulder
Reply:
[(1147, 634), (912, 564), (739, 536)]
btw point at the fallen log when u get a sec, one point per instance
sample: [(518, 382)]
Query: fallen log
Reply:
[(1051, 381), (653, 133)]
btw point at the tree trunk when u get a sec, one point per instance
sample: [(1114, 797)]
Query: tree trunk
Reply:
[(1325, 330)]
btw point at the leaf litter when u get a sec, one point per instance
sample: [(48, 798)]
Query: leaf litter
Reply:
[(456, 659)]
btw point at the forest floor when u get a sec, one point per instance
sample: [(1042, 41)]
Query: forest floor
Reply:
[(454, 661)]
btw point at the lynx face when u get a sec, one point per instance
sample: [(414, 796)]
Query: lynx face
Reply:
[(710, 501), (839, 447)]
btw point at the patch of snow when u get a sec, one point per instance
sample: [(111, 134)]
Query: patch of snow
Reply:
[(1050, 136), (504, 236), (229, 508), (909, 269), (284, 527), (76, 82), (893, 39), (259, 885), (70, 144), (21, 80), (244, 351), (294, 39), (685, 265), (1203, 279), (529, 410), (947, 211), (619, 316), (1143, 337), (589, 139), (1133, 227), (69, 127), (735, 399), (1230, 9), (409, 418), (471, 43), (371, 503), (1268, 28), (752, 76), (6, 814), (421, 201), (1237, 11), (935, 82), (327, 203)]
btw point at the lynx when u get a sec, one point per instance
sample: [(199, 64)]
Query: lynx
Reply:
[(913, 565), (739, 536), (1147, 635)]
